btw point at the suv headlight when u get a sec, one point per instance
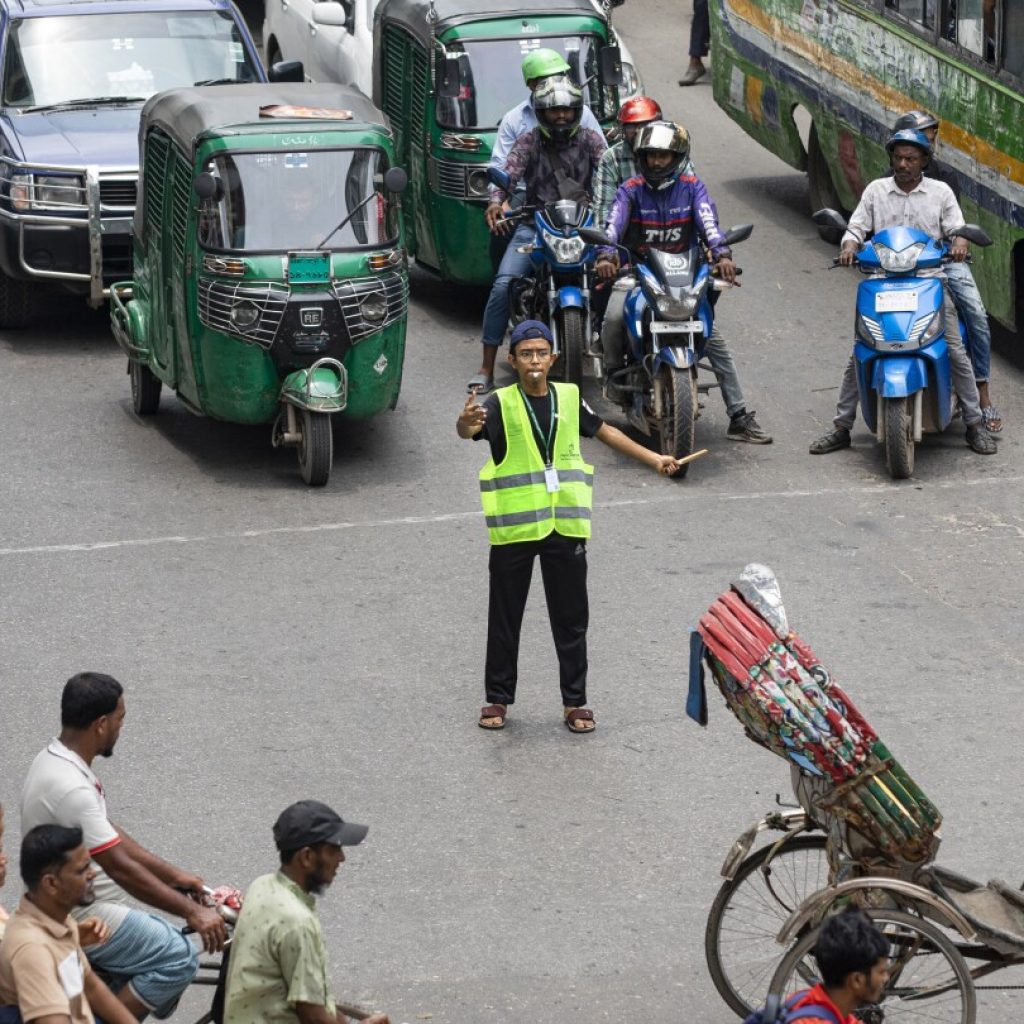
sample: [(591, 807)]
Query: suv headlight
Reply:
[(565, 250), (47, 191), (898, 262)]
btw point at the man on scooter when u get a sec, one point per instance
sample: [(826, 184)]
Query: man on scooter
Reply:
[(555, 160), (658, 209), (959, 277), (909, 199)]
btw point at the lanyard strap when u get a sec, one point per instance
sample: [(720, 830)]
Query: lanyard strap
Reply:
[(547, 453)]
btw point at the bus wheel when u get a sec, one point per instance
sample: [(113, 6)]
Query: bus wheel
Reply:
[(823, 193)]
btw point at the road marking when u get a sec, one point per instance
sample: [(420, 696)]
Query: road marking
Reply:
[(446, 517)]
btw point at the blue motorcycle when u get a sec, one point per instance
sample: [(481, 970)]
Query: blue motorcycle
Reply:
[(653, 338), (558, 289), (903, 372)]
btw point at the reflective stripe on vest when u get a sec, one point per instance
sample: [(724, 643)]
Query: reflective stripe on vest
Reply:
[(517, 505)]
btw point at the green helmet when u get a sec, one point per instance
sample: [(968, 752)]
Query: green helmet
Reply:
[(542, 64)]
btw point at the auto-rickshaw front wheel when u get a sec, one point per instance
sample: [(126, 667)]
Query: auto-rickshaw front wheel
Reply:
[(145, 388), (316, 449)]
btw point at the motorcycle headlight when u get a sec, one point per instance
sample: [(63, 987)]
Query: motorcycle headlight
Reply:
[(564, 250), (677, 309), (374, 307), (245, 314), (898, 262)]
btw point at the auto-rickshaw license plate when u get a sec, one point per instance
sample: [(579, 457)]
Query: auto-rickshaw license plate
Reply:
[(309, 267)]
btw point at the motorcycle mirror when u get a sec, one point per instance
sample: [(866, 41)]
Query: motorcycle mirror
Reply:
[(208, 186), (396, 180), (740, 233), (974, 233), (593, 236), (450, 86), (829, 219), (287, 71), (498, 177), (610, 63)]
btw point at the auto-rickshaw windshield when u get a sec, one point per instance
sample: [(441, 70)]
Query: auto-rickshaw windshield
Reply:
[(72, 60), (491, 78), (276, 201)]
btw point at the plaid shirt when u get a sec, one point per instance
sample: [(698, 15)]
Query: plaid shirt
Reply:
[(617, 166), (528, 162)]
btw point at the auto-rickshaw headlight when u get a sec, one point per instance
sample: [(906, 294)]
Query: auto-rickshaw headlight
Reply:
[(374, 307), (245, 314), (478, 183)]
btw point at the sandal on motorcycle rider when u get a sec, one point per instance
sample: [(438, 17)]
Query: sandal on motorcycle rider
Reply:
[(579, 720), (481, 383), (980, 440), (993, 421), (493, 716), (833, 441)]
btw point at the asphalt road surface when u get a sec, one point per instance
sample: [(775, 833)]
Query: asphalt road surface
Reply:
[(279, 643)]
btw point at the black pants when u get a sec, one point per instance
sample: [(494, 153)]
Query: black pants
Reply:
[(563, 566), (700, 29)]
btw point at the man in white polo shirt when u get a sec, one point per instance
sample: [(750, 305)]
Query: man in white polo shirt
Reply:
[(148, 957)]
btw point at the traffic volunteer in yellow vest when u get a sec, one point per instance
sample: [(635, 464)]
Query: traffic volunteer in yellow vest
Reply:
[(536, 492)]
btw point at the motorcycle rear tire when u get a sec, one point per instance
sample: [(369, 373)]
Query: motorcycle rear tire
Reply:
[(572, 324), (899, 440), (680, 414)]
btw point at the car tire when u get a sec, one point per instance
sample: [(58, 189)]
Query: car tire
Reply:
[(17, 302)]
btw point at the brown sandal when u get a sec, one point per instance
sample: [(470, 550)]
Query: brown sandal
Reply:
[(575, 715), (493, 711)]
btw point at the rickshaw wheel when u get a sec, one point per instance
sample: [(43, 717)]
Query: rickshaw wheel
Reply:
[(316, 450), (928, 978), (145, 389)]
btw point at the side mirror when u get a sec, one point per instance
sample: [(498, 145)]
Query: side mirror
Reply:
[(829, 219), (396, 180), (333, 14), (975, 234), (740, 233), (498, 177), (287, 71), (450, 86), (208, 186), (610, 65), (593, 236), (617, 3)]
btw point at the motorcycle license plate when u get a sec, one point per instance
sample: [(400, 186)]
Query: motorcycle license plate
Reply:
[(903, 301), (686, 327)]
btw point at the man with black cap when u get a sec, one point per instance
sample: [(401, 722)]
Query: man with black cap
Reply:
[(277, 972), (536, 493)]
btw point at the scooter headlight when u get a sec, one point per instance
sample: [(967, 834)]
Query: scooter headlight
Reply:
[(927, 328), (901, 262), (564, 250)]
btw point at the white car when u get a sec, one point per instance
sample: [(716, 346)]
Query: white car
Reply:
[(334, 41)]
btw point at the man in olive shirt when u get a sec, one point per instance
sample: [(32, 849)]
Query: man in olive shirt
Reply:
[(277, 973)]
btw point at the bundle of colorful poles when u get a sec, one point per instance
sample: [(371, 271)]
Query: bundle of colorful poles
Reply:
[(788, 702)]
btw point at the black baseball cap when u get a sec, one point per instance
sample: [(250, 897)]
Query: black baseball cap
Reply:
[(308, 822)]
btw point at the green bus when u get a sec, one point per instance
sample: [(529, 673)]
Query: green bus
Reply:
[(820, 82)]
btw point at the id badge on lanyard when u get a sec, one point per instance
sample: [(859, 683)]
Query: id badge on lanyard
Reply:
[(551, 479)]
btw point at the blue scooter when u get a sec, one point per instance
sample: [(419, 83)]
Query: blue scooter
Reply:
[(558, 290), (903, 372), (653, 339)]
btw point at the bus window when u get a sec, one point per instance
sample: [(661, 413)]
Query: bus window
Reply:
[(920, 12), (1013, 39), (972, 25)]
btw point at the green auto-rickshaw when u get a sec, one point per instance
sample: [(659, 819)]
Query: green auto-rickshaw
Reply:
[(445, 72), (270, 280)]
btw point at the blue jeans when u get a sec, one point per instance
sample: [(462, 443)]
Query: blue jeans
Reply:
[(972, 309), (513, 264), (152, 957)]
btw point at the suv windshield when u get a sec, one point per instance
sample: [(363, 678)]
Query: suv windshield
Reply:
[(491, 80), (72, 60), (280, 201)]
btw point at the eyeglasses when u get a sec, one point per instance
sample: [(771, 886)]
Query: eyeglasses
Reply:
[(533, 354)]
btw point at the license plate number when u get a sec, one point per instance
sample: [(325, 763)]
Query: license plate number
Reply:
[(903, 301), (686, 327)]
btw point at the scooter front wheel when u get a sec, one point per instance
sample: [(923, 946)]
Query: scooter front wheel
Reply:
[(899, 438), (316, 449), (679, 412), (571, 332)]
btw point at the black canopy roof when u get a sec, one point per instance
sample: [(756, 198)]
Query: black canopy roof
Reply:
[(184, 114), (412, 14)]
